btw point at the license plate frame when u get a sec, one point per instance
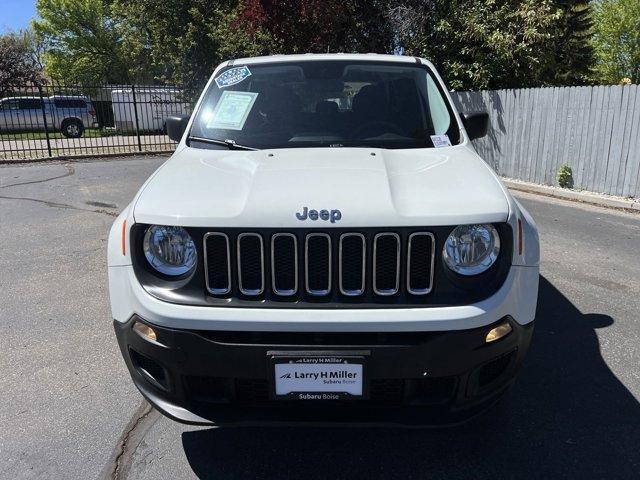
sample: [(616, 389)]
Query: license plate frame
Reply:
[(356, 362)]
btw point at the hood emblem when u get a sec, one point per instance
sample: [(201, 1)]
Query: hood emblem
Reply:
[(332, 215)]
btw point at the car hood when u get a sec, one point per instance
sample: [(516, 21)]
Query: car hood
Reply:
[(370, 187)]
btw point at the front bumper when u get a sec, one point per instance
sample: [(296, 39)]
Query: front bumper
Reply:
[(204, 376)]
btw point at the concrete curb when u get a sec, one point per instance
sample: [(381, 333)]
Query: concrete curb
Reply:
[(597, 199)]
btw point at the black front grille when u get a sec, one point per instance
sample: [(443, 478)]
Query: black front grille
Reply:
[(386, 263), (284, 264), (250, 264), (420, 262), (354, 267), (218, 263), (318, 264), (352, 262)]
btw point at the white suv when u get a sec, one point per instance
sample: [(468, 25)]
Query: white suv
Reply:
[(324, 238)]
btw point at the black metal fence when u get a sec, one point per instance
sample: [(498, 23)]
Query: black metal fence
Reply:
[(69, 120)]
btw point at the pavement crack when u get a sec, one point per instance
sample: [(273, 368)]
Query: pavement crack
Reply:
[(70, 171), (142, 420), (49, 203), (94, 203)]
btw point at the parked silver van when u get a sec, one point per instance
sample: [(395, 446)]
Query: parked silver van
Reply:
[(68, 114)]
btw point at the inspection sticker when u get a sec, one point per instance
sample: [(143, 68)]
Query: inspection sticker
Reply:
[(441, 140), (232, 76), (232, 110)]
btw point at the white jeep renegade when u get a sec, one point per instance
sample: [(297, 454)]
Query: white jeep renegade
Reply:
[(324, 243)]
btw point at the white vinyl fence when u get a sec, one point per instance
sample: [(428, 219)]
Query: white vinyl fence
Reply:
[(594, 130)]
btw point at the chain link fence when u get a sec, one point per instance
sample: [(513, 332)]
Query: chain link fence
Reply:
[(52, 121)]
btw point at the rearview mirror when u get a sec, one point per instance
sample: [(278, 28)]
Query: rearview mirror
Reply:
[(476, 124), (176, 125)]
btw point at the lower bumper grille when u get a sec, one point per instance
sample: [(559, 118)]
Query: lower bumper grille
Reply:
[(252, 391), (491, 371), (389, 391), (385, 391)]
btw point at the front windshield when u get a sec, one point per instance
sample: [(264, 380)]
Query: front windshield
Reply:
[(326, 104)]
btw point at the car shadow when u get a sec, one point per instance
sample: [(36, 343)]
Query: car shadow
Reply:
[(567, 416)]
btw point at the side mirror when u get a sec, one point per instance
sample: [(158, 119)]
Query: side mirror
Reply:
[(176, 125), (476, 124)]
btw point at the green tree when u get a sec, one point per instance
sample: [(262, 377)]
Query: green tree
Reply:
[(574, 56), (616, 40), (181, 41), (488, 44), (82, 41)]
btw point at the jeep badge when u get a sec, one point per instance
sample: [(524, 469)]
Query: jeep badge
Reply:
[(333, 215)]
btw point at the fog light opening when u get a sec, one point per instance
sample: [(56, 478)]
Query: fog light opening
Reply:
[(498, 332), (145, 331)]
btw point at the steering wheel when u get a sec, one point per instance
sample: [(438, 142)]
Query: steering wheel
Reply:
[(376, 124)]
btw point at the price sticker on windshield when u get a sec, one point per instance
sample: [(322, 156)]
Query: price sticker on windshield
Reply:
[(232, 110)]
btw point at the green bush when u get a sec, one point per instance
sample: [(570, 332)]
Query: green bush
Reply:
[(565, 176)]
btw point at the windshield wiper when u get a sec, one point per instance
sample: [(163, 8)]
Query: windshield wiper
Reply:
[(230, 144)]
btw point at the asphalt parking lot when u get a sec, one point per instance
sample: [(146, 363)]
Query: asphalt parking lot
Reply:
[(69, 409)]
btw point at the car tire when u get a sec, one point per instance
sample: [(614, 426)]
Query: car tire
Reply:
[(72, 128)]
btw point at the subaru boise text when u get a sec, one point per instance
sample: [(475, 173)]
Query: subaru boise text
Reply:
[(324, 237)]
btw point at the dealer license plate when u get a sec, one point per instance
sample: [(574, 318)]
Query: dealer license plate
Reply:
[(318, 378)]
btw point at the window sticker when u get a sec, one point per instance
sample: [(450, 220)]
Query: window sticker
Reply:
[(441, 140), (232, 110), (232, 76)]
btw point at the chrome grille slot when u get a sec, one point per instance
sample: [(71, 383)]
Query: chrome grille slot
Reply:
[(284, 264), (420, 263), (352, 259), (386, 263), (250, 264), (217, 263), (317, 258)]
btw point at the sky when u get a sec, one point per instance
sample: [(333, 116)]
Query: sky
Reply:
[(16, 14)]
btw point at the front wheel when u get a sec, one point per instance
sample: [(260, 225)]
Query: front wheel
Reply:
[(72, 128)]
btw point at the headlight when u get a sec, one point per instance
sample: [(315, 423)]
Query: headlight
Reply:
[(170, 250), (471, 249)]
